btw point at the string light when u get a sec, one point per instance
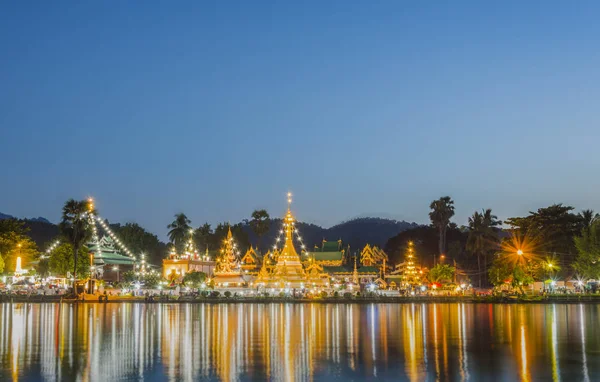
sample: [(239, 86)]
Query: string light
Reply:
[(294, 230), (50, 249)]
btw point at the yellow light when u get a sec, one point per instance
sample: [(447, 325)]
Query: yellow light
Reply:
[(520, 252)]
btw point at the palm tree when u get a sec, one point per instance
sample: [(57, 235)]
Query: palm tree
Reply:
[(260, 224), (588, 217), (179, 230), (75, 227), (441, 212), (483, 237)]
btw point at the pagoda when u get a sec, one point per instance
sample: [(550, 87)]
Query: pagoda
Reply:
[(288, 270), (228, 272)]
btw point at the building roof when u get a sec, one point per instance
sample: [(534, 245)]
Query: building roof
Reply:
[(105, 253), (349, 270), (327, 256)]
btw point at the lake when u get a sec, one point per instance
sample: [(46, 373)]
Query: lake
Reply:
[(288, 342)]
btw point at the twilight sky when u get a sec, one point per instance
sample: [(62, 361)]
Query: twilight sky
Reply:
[(218, 108)]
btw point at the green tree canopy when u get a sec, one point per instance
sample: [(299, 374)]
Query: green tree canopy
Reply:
[(260, 224), (483, 237), (75, 226), (62, 261), (441, 273), (179, 231), (554, 228), (138, 240), (587, 262), (442, 211), (194, 279)]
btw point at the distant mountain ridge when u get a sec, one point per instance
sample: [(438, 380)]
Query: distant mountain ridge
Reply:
[(38, 219), (356, 232)]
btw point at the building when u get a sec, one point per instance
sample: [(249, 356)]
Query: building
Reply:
[(330, 253), (107, 262), (228, 272), (283, 268), (176, 266)]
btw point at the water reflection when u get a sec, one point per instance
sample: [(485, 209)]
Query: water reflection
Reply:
[(414, 342)]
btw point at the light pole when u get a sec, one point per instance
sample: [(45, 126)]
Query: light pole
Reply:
[(116, 268)]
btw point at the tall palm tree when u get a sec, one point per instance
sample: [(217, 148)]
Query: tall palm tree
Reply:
[(588, 217), (179, 229), (483, 237), (75, 226), (260, 224), (442, 211)]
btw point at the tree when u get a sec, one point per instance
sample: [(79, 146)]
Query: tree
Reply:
[(441, 273), (62, 260), (202, 237), (194, 279), (483, 237), (75, 226), (260, 224), (1, 264), (43, 268), (554, 228), (587, 262), (516, 274), (442, 211), (138, 240), (588, 217), (179, 230), (13, 245), (500, 272)]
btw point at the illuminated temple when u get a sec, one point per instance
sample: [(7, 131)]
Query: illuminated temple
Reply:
[(228, 272), (284, 268)]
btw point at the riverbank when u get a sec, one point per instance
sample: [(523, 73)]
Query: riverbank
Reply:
[(549, 299)]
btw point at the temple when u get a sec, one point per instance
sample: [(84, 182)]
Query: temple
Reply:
[(228, 272), (330, 253), (283, 268), (107, 261), (176, 266)]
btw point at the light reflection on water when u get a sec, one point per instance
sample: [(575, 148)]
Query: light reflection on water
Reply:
[(416, 342)]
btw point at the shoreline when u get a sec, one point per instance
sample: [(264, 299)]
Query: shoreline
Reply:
[(566, 299)]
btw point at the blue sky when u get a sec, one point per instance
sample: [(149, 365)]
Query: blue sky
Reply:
[(218, 108)]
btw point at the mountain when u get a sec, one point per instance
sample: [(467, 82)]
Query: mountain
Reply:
[(355, 232), (5, 216), (40, 219), (39, 229)]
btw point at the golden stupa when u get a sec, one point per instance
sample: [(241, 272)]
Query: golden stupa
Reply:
[(228, 273), (288, 271)]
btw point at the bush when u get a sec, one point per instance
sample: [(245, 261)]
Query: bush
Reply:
[(357, 294), (204, 293), (323, 294), (281, 294), (348, 295), (227, 294), (215, 294), (336, 294)]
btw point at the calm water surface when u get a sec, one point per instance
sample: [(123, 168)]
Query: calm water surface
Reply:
[(416, 342)]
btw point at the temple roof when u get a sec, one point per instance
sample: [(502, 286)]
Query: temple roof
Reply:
[(113, 259), (105, 252), (349, 270), (327, 256)]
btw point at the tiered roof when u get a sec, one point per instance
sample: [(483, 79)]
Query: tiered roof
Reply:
[(329, 254), (105, 253)]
